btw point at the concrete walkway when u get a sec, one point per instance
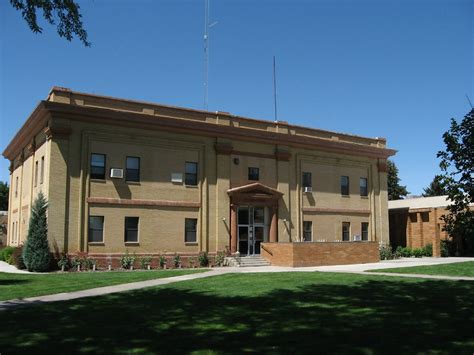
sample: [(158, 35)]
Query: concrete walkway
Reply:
[(354, 268), (6, 267)]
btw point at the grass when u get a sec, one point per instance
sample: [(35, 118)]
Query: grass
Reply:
[(454, 269), (261, 313), (31, 285)]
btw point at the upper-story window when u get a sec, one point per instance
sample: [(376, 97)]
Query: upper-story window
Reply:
[(307, 181), (36, 173), (345, 185), (42, 170), (191, 172), (132, 171), (98, 166), (364, 229), (364, 191), (254, 174)]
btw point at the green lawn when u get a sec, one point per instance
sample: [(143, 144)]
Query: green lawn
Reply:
[(262, 313), (454, 269), (30, 285)]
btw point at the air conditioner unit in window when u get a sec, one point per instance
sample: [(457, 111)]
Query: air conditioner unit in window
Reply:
[(308, 189), (357, 238), (116, 173)]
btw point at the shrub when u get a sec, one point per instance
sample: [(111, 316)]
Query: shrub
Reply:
[(177, 260), (192, 262), (36, 253), (145, 261), (162, 261), (385, 252), (203, 259), (6, 253), (220, 258), (127, 260), (16, 258), (75, 262), (398, 252), (445, 249), (428, 250), (406, 252), (65, 262), (418, 252), (88, 263)]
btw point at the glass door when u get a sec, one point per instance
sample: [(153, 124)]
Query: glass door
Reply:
[(251, 229)]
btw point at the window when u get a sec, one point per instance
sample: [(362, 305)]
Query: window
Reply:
[(16, 187), (307, 231), (363, 187), (131, 229), (413, 218), (132, 171), (425, 216), (307, 179), (254, 174), (42, 170), (96, 229), (190, 233), (365, 230), (98, 166), (191, 170), (345, 185), (346, 231), (36, 173)]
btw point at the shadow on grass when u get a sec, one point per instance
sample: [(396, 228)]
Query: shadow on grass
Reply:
[(12, 282), (353, 315)]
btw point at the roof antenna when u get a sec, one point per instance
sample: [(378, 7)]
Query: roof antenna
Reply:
[(275, 89), (207, 26), (470, 103)]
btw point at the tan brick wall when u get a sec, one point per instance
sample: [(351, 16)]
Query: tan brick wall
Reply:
[(319, 254)]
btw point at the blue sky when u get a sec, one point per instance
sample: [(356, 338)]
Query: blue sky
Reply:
[(394, 69)]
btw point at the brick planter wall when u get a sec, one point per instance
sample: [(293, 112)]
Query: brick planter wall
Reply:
[(319, 254)]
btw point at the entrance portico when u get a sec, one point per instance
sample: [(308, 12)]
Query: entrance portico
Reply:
[(253, 217)]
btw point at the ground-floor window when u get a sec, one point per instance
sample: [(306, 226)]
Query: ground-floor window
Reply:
[(190, 230), (307, 231), (131, 229), (365, 230), (346, 231), (96, 229)]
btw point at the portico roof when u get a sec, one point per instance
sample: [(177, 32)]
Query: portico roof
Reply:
[(255, 188)]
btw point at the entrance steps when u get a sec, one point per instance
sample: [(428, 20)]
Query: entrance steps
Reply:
[(246, 261)]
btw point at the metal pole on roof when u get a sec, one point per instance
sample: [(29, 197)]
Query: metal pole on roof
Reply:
[(275, 88), (207, 26)]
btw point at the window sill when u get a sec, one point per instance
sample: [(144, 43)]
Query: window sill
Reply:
[(191, 186), (132, 243), (191, 243), (345, 196), (96, 243), (364, 197), (103, 181), (138, 183)]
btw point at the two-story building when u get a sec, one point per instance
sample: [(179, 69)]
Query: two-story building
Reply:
[(123, 175)]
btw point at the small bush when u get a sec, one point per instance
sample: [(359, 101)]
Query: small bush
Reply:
[(127, 260), (428, 250), (162, 261), (87, 263), (220, 258), (65, 262), (407, 252), (418, 252), (6, 253), (145, 261), (385, 252), (75, 262), (177, 260), (445, 249), (398, 252), (192, 262), (203, 259), (16, 259)]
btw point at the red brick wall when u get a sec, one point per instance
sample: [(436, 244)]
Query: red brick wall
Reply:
[(319, 254)]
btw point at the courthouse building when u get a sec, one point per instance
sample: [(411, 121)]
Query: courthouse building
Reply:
[(123, 175)]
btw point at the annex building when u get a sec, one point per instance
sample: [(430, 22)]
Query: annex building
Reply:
[(123, 175)]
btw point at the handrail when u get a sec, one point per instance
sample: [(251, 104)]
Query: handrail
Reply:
[(268, 251)]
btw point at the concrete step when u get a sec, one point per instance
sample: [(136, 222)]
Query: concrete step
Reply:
[(246, 261)]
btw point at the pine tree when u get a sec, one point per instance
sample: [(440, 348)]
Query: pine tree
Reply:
[(436, 187), (36, 254), (395, 190)]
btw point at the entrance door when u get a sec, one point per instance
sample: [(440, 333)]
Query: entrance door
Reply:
[(251, 229)]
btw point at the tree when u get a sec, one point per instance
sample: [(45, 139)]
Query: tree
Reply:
[(457, 163), (66, 12), (435, 188), (4, 196), (36, 253), (395, 190)]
